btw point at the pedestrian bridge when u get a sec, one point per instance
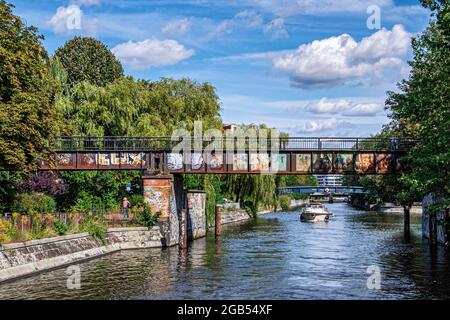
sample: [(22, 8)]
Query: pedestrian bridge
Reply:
[(324, 190), (293, 155)]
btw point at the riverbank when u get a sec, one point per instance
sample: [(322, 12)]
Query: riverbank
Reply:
[(24, 258), (390, 208), (29, 257)]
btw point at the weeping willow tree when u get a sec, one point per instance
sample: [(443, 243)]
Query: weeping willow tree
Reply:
[(139, 108), (252, 191)]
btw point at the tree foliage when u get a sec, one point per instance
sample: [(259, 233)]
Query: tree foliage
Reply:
[(422, 107), (87, 59), (28, 120), (139, 108)]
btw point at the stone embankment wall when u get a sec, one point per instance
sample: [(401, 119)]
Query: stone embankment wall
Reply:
[(391, 208), (233, 216), (20, 259)]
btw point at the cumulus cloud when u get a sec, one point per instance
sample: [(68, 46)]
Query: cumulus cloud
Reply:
[(344, 107), (151, 53), (276, 28), (339, 60), (177, 27), (66, 20)]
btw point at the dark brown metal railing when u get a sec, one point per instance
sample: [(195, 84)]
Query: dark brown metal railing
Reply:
[(141, 144)]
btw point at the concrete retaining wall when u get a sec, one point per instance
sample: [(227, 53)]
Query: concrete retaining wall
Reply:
[(20, 259), (393, 209), (234, 216)]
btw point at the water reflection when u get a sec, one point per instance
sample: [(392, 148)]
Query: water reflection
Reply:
[(275, 257)]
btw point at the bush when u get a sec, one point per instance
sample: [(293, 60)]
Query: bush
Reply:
[(300, 196), (34, 203), (285, 202), (60, 228), (145, 217), (136, 200), (88, 202), (95, 226), (250, 207), (5, 226)]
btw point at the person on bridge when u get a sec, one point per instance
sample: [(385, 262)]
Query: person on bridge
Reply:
[(125, 208), (394, 143)]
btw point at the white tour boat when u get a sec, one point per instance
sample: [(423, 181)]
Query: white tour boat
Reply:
[(315, 212)]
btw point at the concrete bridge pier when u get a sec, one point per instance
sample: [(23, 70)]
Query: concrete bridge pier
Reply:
[(183, 213), (218, 222), (180, 197), (159, 194)]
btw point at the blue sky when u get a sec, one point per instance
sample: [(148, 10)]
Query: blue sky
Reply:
[(312, 68)]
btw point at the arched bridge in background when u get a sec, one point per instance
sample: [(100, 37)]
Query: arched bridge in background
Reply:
[(293, 155)]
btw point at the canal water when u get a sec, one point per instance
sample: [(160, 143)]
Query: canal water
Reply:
[(275, 257)]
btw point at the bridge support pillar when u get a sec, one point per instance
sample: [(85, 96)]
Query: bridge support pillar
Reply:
[(182, 216), (196, 214), (406, 223), (218, 221), (159, 194)]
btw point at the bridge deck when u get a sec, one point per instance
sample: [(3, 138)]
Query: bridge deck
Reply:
[(142, 144), (249, 155)]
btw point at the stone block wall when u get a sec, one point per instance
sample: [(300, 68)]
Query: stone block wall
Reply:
[(19, 259), (234, 216)]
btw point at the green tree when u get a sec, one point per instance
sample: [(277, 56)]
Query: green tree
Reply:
[(422, 107), (28, 120), (300, 180), (87, 59), (127, 107)]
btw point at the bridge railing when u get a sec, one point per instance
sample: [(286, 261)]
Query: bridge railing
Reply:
[(78, 143)]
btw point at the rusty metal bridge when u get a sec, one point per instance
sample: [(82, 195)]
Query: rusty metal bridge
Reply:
[(293, 155)]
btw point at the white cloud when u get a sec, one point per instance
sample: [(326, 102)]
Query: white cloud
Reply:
[(325, 125), (177, 27), (223, 27), (66, 20), (344, 107), (249, 18), (276, 28), (339, 60), (151, 53)]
